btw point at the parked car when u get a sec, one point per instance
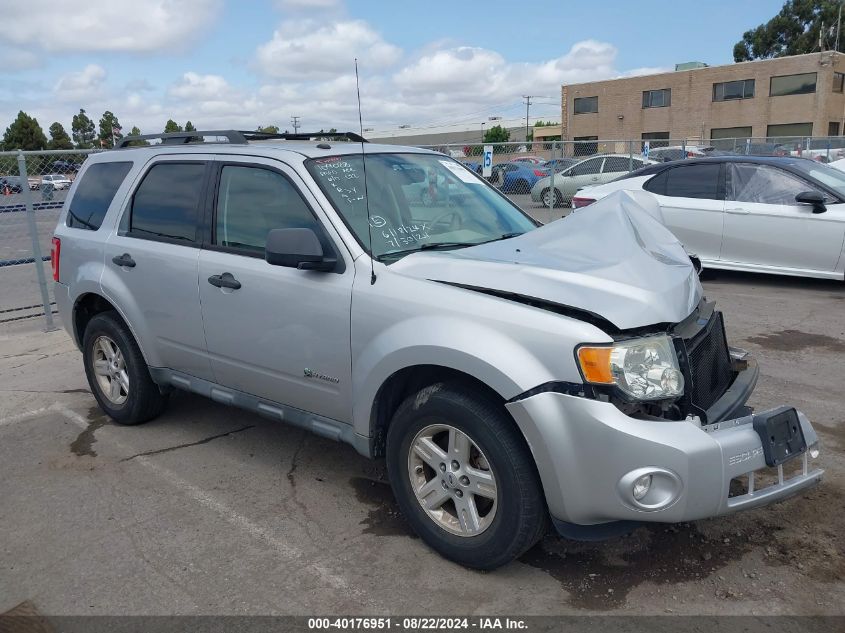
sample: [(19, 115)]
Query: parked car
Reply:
[(473, 165), (516, 177), (559, 164), (507, 372), (12, 184), (677, 152), (57, 181), (594, 170), (534, 160), (758, 214), (34, 183), (64, 167), (838, 164)]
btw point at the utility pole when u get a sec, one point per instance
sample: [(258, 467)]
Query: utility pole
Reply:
[(294, 121), (527, 106)]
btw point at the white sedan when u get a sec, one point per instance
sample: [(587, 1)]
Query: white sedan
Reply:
[(759, 214)]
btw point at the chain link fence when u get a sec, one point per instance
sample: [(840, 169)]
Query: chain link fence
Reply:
[(33, 187), (547, 174), (541, 177)]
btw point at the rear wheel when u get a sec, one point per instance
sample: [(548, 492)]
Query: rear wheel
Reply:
[(547, 198), (464, 477), (117, 373)]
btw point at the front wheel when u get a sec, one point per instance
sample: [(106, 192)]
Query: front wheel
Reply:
[(547, 198), (464, 477)]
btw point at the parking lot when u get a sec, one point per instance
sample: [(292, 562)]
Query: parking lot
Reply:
[(213, 510)]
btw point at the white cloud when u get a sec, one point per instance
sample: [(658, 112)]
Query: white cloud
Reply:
[(13, 58), (106, 25), (308, 5), (200, 87), (307, 49), (80, 85)]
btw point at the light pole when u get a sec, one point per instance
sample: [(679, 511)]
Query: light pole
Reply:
[(482, 131)]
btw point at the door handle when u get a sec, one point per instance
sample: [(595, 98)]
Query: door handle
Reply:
[(226, 280), (124, 260), (737, 211)]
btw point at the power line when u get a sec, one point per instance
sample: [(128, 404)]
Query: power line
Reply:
[(294, 121)]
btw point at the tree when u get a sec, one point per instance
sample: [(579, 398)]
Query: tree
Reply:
[(109, 130), (24, 133), (59, 138), (268, 129), (189, 127), (136, 132), (83, 130), (496, 134), (172, 126), (793, 31)]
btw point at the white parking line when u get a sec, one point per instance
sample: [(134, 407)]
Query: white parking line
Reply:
[(284, 549), (26, 415)]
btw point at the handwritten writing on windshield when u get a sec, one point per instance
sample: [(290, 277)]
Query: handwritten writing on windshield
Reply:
[(342, 177), (405, 235)]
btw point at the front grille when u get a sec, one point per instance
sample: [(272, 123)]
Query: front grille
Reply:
[(710, 372)]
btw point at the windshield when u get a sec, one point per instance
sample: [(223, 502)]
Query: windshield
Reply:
[(829, 176), (417, 202)]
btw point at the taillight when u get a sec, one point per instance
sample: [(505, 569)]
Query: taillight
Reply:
[(540, 173), (577, 203), (55, 253)]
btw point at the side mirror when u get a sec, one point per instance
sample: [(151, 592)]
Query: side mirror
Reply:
[(297, 248), (814, 198)]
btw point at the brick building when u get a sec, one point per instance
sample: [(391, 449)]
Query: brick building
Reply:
[(787, 96)]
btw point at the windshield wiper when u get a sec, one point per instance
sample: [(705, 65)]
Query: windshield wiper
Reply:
[(506, 236), (435, 246)]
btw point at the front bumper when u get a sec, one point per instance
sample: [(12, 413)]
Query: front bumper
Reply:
[(587, 452)]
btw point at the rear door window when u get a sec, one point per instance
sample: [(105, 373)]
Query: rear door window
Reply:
[(688, 181), (166, 204), (94, 194), (592, 166)]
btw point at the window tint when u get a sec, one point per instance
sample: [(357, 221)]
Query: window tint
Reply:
[(655, 138), (693, 181), (251, 202), (792, 85), (730, 90), (730, 132), (94, 194), (838, 82), (833, 128), (657, 98), (592, 166), (766, 185), (166, 203), (584, 105), (789, 129)]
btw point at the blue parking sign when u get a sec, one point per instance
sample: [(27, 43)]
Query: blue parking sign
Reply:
[(487, 162)]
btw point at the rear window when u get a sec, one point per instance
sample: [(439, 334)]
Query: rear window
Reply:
[(94, 194), (166, 204), (689, 181)]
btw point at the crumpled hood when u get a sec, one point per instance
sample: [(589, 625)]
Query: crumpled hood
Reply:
[(613, 258)]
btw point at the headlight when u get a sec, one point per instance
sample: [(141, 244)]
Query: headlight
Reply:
[(643, 369)]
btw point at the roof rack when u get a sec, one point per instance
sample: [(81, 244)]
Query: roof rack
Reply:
[(237, 137)]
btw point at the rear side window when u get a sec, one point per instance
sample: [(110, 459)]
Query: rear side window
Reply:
[(688, 181), (166, 204), (253, 201), (94, 194)]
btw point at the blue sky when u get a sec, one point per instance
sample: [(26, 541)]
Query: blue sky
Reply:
[(423, 64)]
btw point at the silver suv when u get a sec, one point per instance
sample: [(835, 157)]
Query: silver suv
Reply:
[(511, 374)]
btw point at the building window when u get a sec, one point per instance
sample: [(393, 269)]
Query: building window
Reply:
[(657, 98), (585, 105), (654, 139), (833, 128), (730, 132), (731, 90), (789, 129), (585, 146), (838, 82), (792, 85)]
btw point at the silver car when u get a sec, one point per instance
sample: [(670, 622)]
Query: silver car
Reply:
[(591, 171), (513, 375)]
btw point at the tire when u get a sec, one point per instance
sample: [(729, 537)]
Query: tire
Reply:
[(138, 399), (509, 522), (545, 194)]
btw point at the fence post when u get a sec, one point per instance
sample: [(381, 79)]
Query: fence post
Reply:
[(630, 156), (36, 247), (553, 194)]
